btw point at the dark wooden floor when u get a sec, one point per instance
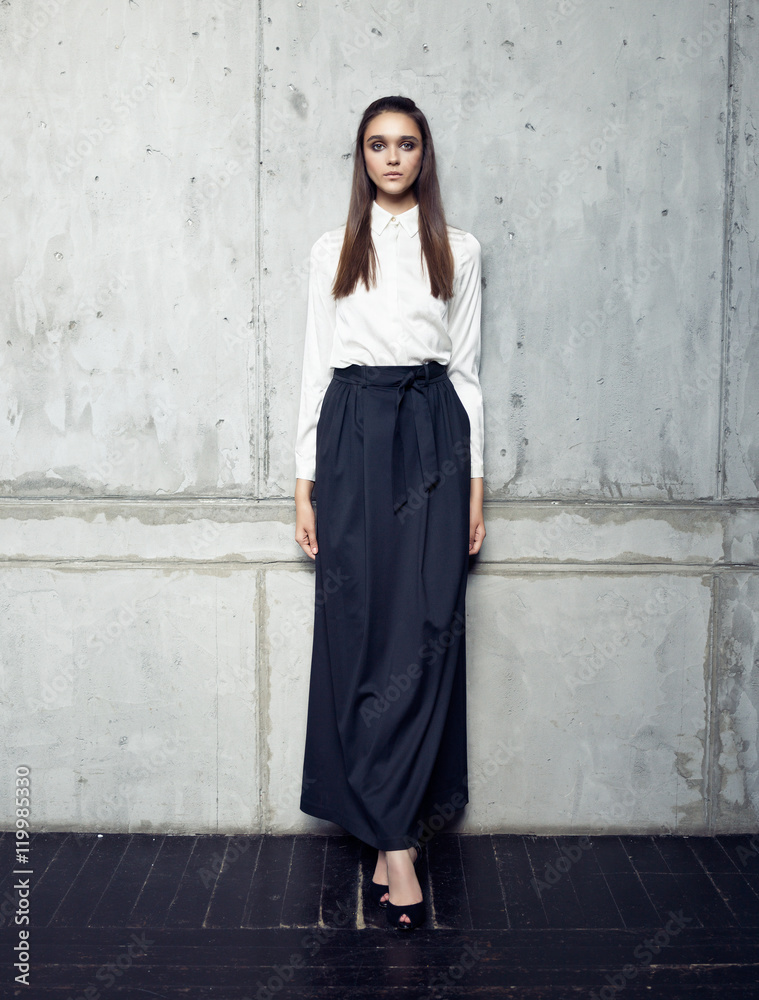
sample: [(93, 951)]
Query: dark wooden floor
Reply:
[(262, 917)]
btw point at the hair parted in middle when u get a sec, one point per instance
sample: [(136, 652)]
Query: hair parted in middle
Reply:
[(358, 258)]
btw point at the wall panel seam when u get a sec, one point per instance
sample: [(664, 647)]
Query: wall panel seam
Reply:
[(710, 736), (259, 432), (729, 203), (483, 569), (279, 503), (262, 686)]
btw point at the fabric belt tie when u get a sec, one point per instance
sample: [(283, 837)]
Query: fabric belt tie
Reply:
[(412, 392)]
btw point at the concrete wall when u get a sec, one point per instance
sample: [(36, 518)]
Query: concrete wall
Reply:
[(167, 168)]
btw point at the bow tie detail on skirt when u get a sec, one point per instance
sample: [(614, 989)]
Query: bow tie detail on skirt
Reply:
[(411, 395)]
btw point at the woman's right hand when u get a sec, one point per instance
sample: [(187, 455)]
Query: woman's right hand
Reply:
[(305, 519)]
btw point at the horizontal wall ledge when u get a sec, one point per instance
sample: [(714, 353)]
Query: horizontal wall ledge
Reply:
[(696, 535), (222, 568)]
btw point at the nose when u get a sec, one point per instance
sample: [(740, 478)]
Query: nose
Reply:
[(392, 156)]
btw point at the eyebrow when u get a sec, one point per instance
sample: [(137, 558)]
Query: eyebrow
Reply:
[(402, 138)]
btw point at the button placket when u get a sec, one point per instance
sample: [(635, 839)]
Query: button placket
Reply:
[(392, 290)]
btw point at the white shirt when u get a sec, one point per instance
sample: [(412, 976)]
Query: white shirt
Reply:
[(397, 322)]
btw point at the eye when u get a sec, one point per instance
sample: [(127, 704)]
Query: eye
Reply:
[(375, 145), (408, 145)]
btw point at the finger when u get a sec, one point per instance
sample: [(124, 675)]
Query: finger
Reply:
[(307, 543), (311, 541)]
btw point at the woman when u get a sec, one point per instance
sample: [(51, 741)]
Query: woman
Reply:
[(389, 444)]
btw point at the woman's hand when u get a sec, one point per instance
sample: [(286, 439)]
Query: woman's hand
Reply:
[(305, 519), (476, 521)]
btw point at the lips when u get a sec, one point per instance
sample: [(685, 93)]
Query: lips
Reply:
[(393, 176)]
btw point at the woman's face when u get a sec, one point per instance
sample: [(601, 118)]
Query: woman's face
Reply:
[(393, 152)]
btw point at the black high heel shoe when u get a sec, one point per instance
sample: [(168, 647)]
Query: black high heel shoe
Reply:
[(378, 891), (414, 911)]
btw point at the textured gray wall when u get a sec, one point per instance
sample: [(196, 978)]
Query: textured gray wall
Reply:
[(166, 169)]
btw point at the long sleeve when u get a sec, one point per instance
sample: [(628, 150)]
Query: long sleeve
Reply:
[(464, 317), (317, 372)]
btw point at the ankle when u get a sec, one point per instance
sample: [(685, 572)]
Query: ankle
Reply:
[(399, 857)]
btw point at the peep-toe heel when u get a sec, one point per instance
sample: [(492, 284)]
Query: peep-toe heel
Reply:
[(377, 890), (414, 911)]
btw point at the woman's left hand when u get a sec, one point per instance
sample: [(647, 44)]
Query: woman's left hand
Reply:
[(476, 521)]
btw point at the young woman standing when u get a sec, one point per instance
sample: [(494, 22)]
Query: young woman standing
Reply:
[(389, 444)]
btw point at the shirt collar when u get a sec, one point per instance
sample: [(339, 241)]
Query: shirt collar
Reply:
[(381, 219)]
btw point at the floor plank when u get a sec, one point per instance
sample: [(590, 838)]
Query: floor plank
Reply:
[(302, 901), (551, 866), (263, 907), (193, 896), (483, 888), (126, 883), (227, 905), (524, 908), (448, 891), (85, 891), (50, 888), (157, 894)]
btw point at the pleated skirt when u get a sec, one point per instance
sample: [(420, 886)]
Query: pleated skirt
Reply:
[(386, 738)]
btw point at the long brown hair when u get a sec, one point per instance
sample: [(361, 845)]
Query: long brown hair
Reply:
[(358, 258)]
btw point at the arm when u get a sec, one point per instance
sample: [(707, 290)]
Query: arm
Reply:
[(464, 324), (320, 326)]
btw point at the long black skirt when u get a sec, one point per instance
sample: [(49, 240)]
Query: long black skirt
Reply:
[(386, 741)]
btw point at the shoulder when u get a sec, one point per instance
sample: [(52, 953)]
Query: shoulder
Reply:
[(327, 248), (466, 248), (463, 244)]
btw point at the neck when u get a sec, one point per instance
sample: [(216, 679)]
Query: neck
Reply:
[(396, 204)]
